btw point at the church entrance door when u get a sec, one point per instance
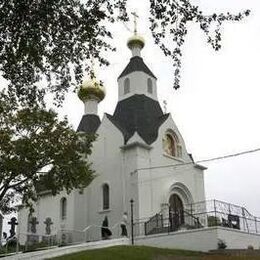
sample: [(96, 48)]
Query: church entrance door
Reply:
[(176, 212)]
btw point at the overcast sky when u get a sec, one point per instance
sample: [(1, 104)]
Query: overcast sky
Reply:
[(217, 107)]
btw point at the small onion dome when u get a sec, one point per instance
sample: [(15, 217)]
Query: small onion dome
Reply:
[(91, 89), (135, 41)]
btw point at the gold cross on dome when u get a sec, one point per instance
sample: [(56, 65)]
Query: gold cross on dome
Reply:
[(135, 21)]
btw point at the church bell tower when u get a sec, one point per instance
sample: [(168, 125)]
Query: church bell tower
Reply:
[(136, 78)]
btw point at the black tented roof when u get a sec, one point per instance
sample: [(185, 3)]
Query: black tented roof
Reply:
[(89, 124), (140, 114), (136, 64)]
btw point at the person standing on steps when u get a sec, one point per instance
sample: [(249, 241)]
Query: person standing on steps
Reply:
[(123, 225), (105, 231)]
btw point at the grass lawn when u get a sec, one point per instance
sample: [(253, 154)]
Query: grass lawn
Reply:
[(144, 253)]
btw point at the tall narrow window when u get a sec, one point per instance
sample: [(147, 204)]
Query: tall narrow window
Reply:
[(105, 196), (126, 86), (171, 145), (149, 86), (63, 208)]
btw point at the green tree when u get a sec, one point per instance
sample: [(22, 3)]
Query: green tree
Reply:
[(38, 151), (54, 40)]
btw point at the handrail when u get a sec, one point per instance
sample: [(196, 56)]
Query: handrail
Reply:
[(151, 218), (110, 227), (191, 215), (221, 202)]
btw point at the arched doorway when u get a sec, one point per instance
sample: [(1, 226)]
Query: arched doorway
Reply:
[(176, 212)]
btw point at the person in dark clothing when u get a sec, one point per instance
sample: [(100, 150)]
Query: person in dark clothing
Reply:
[(105, 231), (123, 225)]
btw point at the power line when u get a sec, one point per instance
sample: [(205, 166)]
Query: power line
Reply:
[(230, 155), (142, 182), (202, 161), (192, 163)]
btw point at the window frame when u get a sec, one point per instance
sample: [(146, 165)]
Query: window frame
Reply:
[(63, 208), (176, 146), (149, 86), (105, 196)]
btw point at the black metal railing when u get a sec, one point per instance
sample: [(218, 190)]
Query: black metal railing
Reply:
[(154, 224), (208, 213)]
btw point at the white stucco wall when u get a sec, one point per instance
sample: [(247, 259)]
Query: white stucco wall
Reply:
[(47, 206), (120, 166), (91, 107), (138, 85), (201, 239), (236, 239), (156, 181), (197, 240), (108, 163)]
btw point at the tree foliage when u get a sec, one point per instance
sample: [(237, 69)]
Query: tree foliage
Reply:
[(54, 40), (38, 151), (169, 19)]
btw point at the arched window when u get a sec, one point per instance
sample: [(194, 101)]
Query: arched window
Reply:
[(105, 190), (149, 86), (171, 144), (126, 86), (63, 208)]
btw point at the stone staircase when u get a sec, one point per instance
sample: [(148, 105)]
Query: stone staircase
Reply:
[(60, 251)]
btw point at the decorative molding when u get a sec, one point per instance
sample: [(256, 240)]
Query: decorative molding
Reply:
[(103, 211), (173, 157), (136, 144)]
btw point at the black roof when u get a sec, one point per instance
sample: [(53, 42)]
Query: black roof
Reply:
[(136, 64), (140, 114), (89, 124)]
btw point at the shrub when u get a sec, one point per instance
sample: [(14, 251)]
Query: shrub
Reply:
[(222, 244)]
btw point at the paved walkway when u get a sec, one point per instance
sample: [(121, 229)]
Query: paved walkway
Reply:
[(59, 251)]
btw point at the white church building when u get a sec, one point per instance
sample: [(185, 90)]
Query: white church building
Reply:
[(133, 157), (138, 154)]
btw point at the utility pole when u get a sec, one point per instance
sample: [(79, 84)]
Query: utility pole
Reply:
[(132, 221)]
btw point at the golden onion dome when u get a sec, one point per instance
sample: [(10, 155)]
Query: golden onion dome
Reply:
[(91, 89), (135, 40)]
